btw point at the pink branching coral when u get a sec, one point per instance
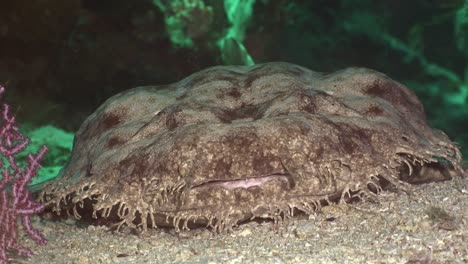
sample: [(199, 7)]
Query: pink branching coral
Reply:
[(15, 197)]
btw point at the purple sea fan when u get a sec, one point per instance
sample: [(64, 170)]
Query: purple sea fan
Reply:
[(15, 197)]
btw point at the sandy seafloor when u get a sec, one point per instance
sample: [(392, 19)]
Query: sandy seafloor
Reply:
[(428, 226)]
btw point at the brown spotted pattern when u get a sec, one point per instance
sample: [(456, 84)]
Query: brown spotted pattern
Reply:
[(233, 143)]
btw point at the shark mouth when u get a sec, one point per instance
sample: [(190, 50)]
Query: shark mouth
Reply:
[(248, 182)]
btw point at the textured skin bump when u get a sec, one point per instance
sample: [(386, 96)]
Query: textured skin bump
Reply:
[(232, 143)]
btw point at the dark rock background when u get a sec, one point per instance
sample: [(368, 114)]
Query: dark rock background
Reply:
[(61, 59)]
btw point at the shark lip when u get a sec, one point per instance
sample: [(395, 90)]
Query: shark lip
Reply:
[(247, 182)]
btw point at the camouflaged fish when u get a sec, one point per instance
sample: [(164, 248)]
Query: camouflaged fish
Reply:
[(233, 143)]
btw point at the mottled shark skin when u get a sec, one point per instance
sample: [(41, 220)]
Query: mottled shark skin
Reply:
[(232, 143)]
